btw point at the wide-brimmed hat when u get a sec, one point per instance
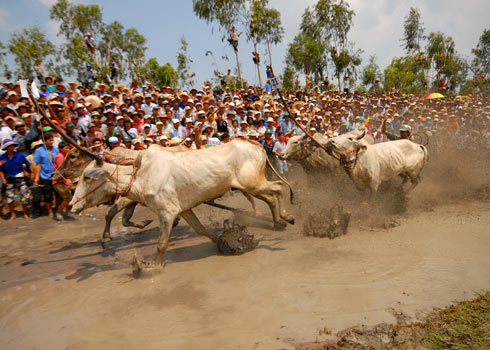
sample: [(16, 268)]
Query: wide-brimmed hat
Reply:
[(7, 143)]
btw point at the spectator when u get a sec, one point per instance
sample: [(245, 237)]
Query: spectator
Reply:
[(63, 187), (14, 177), (44, 157)]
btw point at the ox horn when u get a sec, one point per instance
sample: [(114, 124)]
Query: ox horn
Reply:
[(299, 124), (362, 135), (58, 129)]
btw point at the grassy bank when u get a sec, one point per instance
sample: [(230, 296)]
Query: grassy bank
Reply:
[(465, 325)]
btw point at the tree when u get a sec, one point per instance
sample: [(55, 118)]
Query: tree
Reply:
[(3, 52), (480, 65), (225, 12), (328, 23), (113, 44), (28, 46), (183, 69), (289, 79), (405, 75), (413, 32), (371, 74), (304, 53), (159, 75), (264, 25), (450, 71)]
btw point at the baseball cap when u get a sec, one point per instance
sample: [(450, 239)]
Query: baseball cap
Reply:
[(113, 139)]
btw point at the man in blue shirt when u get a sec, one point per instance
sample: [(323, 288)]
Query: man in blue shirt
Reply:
[(268, 86), (44, 157), (286, 123), (12, 174)]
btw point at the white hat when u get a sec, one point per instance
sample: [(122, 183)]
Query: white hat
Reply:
[(163, 137), (270, 119), (79, 105), (188, 139), (175, 121), (113, 139)]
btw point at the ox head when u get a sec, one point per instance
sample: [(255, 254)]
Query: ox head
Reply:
[(72, 166), (345, 147), (93, 187), (295, 148)]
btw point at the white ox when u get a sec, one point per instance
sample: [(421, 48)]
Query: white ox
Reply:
[(75, 162), (172, 183), (310, 156), (369, 165)]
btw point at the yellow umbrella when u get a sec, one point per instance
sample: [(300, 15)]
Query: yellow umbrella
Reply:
[(433, 95)]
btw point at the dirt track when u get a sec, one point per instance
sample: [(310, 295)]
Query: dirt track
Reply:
[(73, 295)]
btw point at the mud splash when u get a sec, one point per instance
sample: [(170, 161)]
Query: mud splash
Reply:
[(327, 222), (234, 239)]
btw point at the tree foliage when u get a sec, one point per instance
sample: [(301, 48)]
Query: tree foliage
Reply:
[(328, 23), (183, 65), (305, 54), (114, 44), (28, 46), (159, 75), (481, 53), (406, 75), (226, 13), (371, 73), (264, 24), (450, 70), (413, 32)]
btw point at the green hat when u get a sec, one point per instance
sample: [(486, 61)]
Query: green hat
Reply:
[(47, 128), (268, 131)]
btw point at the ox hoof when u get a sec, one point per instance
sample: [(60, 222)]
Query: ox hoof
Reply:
[(147, 222), (141, 268), (290, 220), (105, 242), (279, 226), (176, 222)]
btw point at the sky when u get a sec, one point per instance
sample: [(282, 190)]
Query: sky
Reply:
[(377, 28)]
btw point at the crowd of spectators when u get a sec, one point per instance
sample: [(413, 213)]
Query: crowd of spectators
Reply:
[(103, 117)]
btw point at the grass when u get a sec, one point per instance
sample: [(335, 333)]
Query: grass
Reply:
[(462, 326), (465, 325)]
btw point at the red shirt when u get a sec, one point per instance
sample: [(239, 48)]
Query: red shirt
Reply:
[(57, 162)]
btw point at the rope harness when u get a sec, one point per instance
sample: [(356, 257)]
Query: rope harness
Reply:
[(125, 192)]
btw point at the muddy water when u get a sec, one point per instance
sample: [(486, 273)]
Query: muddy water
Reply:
[(283, 292)]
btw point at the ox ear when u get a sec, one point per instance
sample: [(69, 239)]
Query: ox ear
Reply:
[(137, 162), (361, 147), (94, 173)]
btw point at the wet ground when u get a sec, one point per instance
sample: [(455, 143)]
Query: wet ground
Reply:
[(60, 290)]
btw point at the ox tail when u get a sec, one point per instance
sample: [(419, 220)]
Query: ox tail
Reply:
[(426, 154), (291, 194)]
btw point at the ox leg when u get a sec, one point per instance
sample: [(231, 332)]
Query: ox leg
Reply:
[(415, 179), (374, 189), (251, 200), (166, 221), (196, 225), (271, 202), (282, 205), (116, 208), (128, 213)]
